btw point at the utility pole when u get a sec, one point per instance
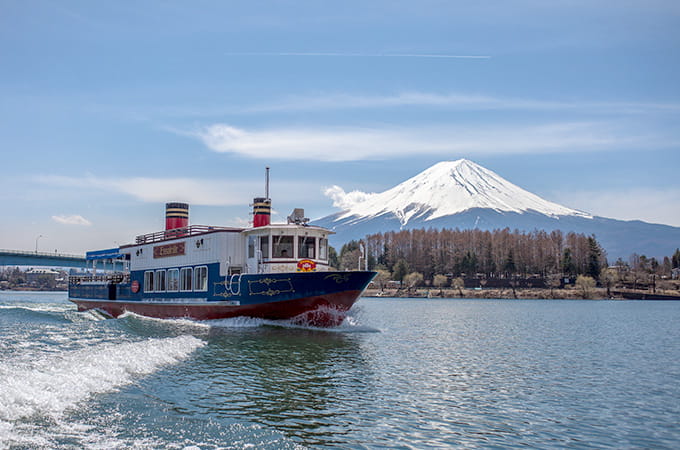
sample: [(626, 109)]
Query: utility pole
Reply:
[(361, 247)]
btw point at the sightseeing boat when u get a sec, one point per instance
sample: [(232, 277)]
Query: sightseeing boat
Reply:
[(270, 271)]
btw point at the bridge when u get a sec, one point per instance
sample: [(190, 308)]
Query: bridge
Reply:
[(23, 258)]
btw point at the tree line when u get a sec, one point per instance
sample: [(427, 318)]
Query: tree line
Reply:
[(469, 253)]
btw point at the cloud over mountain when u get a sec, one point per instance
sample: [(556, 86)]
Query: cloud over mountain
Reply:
[(74, 219)]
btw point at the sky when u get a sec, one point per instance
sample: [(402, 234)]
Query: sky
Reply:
[(110, 109)]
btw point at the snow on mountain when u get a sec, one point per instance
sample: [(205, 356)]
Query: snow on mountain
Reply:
[(461, 194), (449, 188)]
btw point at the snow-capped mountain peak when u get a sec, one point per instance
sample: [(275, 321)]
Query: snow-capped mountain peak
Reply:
[(452, 187)]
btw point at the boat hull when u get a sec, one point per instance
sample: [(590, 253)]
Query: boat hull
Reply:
[(323, 310), (314, 299)]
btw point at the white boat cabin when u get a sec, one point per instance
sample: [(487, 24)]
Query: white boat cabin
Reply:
[(264, 248), (286, 248)]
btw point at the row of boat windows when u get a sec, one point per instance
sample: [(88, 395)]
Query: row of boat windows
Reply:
[(186, 279), (283, 247)]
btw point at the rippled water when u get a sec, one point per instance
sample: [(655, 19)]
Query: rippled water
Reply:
[(398, 373)]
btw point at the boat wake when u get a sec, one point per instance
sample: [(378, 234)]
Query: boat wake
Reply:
[(38, 307), (50, 386), (350, 324)]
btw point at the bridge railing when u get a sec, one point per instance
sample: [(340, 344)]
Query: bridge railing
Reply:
[(41, 254)]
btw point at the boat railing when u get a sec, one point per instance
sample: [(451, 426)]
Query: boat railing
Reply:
[(180, 232), (104, 278)]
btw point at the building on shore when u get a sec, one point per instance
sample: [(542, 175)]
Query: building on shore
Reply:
[(40, 274)]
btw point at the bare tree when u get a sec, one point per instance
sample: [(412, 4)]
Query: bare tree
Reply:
[(413, 279), (554, 280), (440, 281), (585, 284), (608, 277), (382, 278), (459, 284)]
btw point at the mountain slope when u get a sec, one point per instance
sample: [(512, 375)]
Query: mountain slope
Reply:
[(461, 194), (452, 187)]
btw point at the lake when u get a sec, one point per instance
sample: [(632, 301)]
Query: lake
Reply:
[(399, 373)]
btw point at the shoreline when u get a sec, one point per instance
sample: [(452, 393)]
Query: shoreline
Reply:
[(492, 293), (518, 294)]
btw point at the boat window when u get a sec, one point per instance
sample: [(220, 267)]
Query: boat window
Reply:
[(201, 278), (323, 249), (185, 279), (159, 281), (173, 280), (251, 246), (283, 247), (264, 246), (148, 281), (306, 246)]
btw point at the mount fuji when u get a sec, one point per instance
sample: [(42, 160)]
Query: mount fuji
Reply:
[(464, 195)]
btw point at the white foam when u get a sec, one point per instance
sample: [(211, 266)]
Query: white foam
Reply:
[(58, 382), (181, 322), (238, 322), (40, 307), (349, 325)]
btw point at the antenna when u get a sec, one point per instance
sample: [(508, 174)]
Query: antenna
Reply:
[(266, 184)]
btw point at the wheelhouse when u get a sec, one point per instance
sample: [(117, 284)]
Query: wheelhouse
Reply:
[(286, 248)]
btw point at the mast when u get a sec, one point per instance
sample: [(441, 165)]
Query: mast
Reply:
[(266, 183)]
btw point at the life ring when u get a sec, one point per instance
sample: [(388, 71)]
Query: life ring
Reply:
[(306, 265), (134, 287)]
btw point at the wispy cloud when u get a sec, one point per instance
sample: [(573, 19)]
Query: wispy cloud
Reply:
[(455, 101), (458, 101), (361, 55), (196, 191), (354, 144), (451, 101), (339, 101), (72, 220)]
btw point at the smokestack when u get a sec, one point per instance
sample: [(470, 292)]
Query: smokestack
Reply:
[(262, 206), (176, 215), (262, 210)]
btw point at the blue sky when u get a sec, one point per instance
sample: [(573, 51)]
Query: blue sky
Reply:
[(110, 109)]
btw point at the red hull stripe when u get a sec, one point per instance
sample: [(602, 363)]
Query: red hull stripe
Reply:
[(340, 301)]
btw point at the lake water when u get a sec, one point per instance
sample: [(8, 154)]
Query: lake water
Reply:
[(399, 373)]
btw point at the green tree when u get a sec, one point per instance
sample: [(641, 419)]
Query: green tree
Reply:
[(675, 260), (568, 266), (509, 266), (400, 270), (469, 263), (348, 248), (594, 255), (333, 258)]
